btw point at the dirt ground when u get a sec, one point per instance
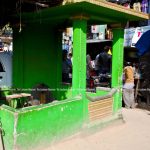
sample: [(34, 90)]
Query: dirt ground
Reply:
[(134, 134)]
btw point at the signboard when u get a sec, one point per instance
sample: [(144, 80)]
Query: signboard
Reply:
[(132, 35)]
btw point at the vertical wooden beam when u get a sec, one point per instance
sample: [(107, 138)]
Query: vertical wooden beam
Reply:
[(79, 57), (117, 66)]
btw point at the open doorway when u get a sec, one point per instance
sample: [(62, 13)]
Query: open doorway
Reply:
[(67, 56), (6, 53)]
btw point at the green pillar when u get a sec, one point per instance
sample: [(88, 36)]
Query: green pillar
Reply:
[(117, 66), (79, 57)]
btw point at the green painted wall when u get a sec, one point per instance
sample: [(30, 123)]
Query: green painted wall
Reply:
[(41, 125), (117, 66), (37, 59), (7, 120)]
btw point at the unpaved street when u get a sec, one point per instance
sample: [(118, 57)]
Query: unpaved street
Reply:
[(134, 134)]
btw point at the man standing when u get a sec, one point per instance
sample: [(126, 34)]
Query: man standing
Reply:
[(97, 64), (66, 67), (104, 61), (128, 87), (1, 45)]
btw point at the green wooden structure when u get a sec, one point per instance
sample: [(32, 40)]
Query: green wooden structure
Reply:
[(37, 59)]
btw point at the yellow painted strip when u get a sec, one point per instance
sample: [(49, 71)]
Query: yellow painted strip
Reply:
[(116, 7)]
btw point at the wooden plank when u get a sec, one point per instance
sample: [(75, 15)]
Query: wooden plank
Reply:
[(100, 105), (116, 7), (103, 112), (100, 116), (100, 109), (17, 95), (100, 112)]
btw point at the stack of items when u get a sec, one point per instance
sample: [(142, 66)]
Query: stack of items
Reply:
[(1, 46), (138, 5), (67, 42), (125, 3), (101, 32), (128, 35), (141, 7)]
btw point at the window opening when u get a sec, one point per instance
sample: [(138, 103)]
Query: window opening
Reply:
[(67, 55), (1, 67)]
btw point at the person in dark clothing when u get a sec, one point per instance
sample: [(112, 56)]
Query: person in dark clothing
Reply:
[(1, 45), (104, 61), (66, 67)]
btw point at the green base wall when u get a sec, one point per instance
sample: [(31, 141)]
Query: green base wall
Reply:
[(7, 121), (39, 126), (37, 58)]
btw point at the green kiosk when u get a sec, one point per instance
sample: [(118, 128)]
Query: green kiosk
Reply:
[(37, 58)]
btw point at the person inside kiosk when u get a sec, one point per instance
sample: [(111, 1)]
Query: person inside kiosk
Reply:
[(104, 61), (66, 67)]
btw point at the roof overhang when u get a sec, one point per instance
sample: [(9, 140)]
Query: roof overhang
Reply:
[(95, 11)]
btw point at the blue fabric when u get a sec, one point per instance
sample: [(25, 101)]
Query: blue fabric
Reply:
[(143, 44)]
